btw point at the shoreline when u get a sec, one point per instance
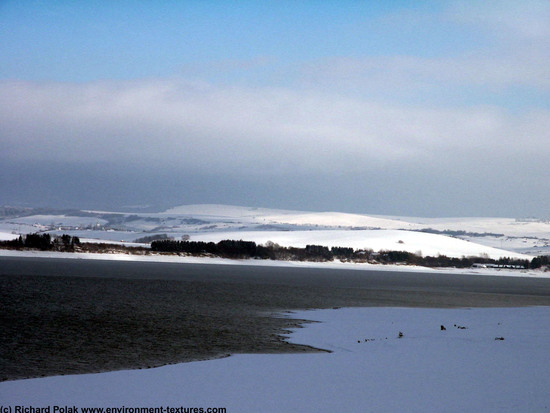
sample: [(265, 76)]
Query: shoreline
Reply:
[(425, 369), (158, 258), (79, 316)]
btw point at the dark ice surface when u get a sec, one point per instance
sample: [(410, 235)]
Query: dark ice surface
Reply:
[(67, 316)]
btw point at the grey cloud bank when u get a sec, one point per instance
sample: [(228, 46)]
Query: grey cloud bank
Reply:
[(392, 192), (212, 127), (418, 123), (172, 141)]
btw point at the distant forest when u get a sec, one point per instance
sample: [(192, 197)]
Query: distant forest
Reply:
[(319, 253), (270, 251)]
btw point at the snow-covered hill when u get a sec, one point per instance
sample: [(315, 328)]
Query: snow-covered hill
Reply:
[(454, 237), (294, 218), (419, 243)]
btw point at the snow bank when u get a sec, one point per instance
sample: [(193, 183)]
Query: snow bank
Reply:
[(369, 369)]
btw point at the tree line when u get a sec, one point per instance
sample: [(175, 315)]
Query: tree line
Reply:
[(248, 249), (270, 251), (43, 242)]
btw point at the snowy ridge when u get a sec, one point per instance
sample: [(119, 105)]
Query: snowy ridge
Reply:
[(338, 219), (277, 216), (392, 240), (506, 226), (491, 237), (225, 211)]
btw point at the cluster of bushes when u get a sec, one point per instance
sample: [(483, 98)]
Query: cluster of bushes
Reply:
[(249, 249), (103, 248), (459, 233), (539, 261), (44, 242), (226, 248), (151, 238), (444, 261), (67, 243), (35, 241)]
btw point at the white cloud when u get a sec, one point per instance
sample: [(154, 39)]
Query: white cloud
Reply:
[(207, 127), (505, 19), (494, 49), (396, 76), (348, 112)]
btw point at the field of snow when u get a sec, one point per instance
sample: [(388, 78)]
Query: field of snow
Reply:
[(398, 240), (519, 239), (61, 220), (467, 367), (508, 226), (225, 211), (5, 236), (335, 219)]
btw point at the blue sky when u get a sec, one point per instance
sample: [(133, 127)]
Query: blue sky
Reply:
[(397, 107), (86, 40)]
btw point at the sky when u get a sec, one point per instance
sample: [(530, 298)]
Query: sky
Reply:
[(426, 108)]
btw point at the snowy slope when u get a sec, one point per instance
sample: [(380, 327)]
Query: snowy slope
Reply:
[(337, 219), (60, 220), (5, 236), (210, 222), (217, 211), (274, 216), (508, 226), (415, 242)]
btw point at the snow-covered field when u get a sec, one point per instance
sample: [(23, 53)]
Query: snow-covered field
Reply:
[(397, 240), (492, 237), (507, 226), (464, 368)]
